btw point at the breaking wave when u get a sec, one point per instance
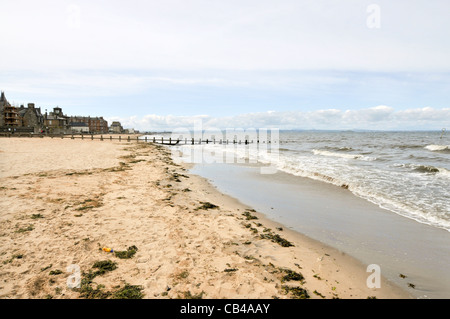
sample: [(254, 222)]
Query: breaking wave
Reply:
[(343, 155), (438, 148)]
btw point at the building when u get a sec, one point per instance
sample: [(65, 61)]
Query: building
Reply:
[(129, 131), (79, 127), (31, 117), (56, 122), (116, 127), (9, 117), (95, 124)]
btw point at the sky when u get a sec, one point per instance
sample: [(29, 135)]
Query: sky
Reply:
[(287, 64)]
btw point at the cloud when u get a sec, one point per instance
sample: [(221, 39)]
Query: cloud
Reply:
[(203, 34), (375, 118), (374, 114)]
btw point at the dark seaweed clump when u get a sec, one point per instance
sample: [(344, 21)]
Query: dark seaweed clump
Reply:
[(89, 292), (249, 216), (292, 276), (126, 254), (277, 239), (129, 292), (207, 205), (296, 292)]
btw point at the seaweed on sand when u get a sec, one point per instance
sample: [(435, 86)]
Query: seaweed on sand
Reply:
[(126, 254), (277, 239), (296, 292), (206, 206)]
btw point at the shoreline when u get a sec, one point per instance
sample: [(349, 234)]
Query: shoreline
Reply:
[(310, 248), (412, 255), (191, 240)]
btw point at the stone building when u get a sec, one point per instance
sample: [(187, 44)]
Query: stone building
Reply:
[(31, 117), (116, 127), (56, 122)]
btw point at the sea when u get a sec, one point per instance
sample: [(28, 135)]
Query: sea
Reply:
[(405, 175)]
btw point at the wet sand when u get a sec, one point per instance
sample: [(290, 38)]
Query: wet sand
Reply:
[(336, 217), (64, 200)]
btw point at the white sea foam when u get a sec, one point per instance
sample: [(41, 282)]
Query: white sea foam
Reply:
[(438, 148), (343, 155), (410, 181), (444, 173)]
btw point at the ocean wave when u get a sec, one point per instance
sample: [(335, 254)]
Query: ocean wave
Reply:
[(405, 146), (444, 172), (343, 155), (438, 148), (339, 149), (428, 169), (292, 169), (425, 169)]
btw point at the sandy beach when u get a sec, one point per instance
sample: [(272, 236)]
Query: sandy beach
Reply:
[(174, 235)]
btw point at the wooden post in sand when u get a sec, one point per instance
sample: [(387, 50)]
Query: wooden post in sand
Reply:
[(120, 138), (128, 138), (110, 137), (101, 137)]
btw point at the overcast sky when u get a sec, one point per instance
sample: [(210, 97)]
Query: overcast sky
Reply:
[(303, 64)]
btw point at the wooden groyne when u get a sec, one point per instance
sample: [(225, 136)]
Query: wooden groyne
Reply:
[(138, 138)]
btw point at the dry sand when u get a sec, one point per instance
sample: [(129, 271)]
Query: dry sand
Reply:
[(64, 200)]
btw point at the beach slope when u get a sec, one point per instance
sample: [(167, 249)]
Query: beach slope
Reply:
[(173, 235)]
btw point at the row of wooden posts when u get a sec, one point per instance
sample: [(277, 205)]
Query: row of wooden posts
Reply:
[(128, 138)]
